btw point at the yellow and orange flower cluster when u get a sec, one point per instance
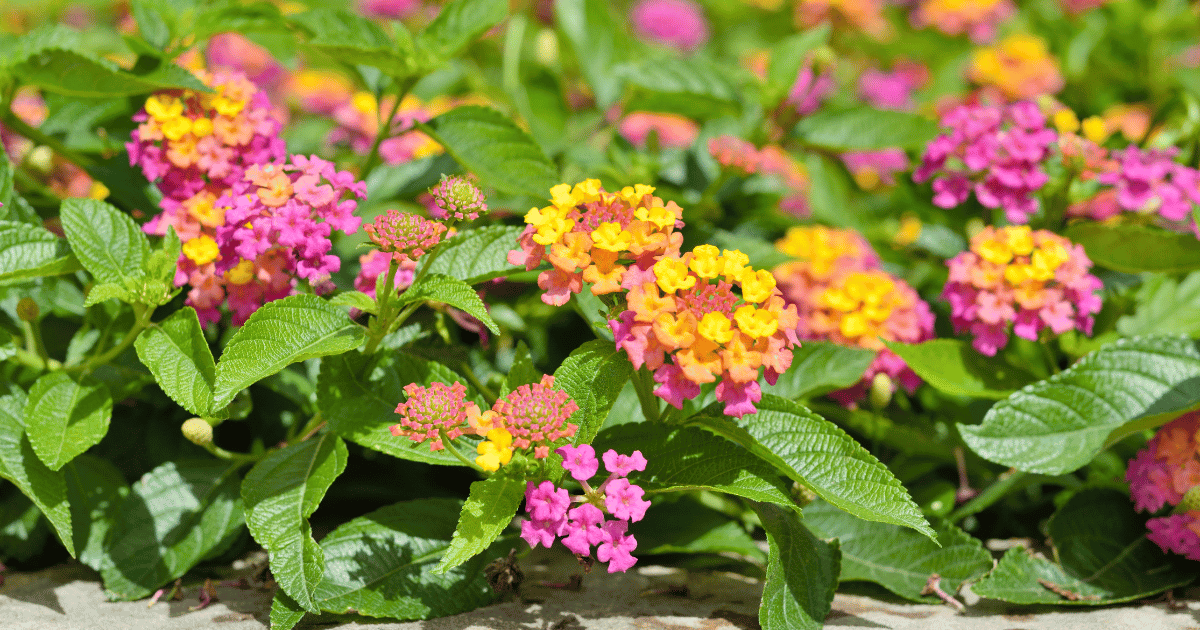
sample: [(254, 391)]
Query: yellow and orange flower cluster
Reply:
[(590, 235), (1020, 66), (820, 252), (685, 309)]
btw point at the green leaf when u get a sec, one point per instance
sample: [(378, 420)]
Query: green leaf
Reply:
[(802, 573), (687, 526), (451, 292), (355, 40), (1165, 306), (683, 459), (361, 409), (238, 15), (1136, 248), (295, 328), (488, 510), (285, 612), (788, 56), (20, 465), (522, 371), (178, 356), (593, 375), (175, 516), (459, 23), (162, 262), (898, 558), (107, 241), (23, 531), (815, 452), (1104, 554), (1058, 425), (96, 490), (104, 292), (702, 85), (865, 128), (487, 143), (599, 43), (474, 256), (153, 21), (820, 367), (64, 418), (382, 565), (28, 251), (280, 493), (952, 366), (6, 189), (355, 299)]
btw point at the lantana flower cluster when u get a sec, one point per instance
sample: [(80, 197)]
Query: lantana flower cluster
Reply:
[(678, 24), (1019, 66), (995, 152), (1150, 181), (1029, 279), (590, 235), (672, 130), (358, 125), (976, 19), (1167, 473), (685, 322), (842, 296), (856, 15), (602, 515), (531, 417), (743, 158)]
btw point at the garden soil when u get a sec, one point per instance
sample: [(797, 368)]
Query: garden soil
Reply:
[(647, 598)]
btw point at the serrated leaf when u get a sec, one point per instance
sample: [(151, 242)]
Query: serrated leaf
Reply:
[(162, 262), (1165, 306), (802, 573), (104, 292), (1059, 424), (1136, 248), (687, 526), (20, 465), (451, 292), (788, 56), (65, 417), (107, 241), (355, 299), (1104, 553), (522, 371), (474, 256), (593, 374), (815, 452), (174, 517), (354, 39), (489, 508), (382, 565), (599, 43), (487, 143), (865, 128), (952, 366), (458, 24), (280, 493), (96, 489), (895, 557), (361, 407), (26, 248), (177, 354), (820, 367), (285, 612), (683, 459), (282, 332)]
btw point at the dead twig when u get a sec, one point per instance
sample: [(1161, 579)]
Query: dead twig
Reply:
[(1064, 592), (933, 587)]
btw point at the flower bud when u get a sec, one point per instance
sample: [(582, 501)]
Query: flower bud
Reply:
[(27, 309), (882, 389), (198, 431), (459, 197)]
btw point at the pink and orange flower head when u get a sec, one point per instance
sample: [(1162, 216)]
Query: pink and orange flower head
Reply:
[(587, 234), (428, 411), (458, 197), (821, 253), (406, 236), (672, 130), (1167, 473), (1020, 66), (1030, 280), (975, 18), (707, 317), (536, 416)]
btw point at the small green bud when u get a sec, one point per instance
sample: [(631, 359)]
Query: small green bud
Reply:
[(198, 431), (27, 309), (882, 388)]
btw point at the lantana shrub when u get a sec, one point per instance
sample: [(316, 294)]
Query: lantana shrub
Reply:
[(408, 292)]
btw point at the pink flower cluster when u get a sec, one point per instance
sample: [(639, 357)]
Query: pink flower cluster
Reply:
[(743, 158), (1167, 472), (1030, 279), (588, 524), (893, 90), (1151, 181), (873, 169), (995, 152), (358, 119), (810, 90), (679, 24), (458, 198), (374, 264), (430, 410), (536, 415), (672, 130), (406, 236)]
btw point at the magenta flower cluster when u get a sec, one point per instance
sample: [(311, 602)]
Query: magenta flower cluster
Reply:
[(296, 205), (995, 152), (679, 24), (1167, 473), (1150, 180), (588, 524)]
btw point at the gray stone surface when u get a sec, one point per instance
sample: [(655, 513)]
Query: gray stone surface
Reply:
[(650, 598)]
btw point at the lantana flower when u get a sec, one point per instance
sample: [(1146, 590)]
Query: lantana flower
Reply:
[(685, 322), (976, 19), (1019, 66), (1167, 473), (1029, 279)]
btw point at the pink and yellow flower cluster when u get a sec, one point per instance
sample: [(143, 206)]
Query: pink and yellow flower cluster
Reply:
[(1031, 279), (1167, 473), (975, 18), (842, 296), (685, 322), (590, 235), (1019, 66)]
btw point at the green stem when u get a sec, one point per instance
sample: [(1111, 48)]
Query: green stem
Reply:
[(314, 423), (1051, 361), (488, 394), (387, 323), (990, 495), (19, 126), (643, 384), (33, 340), (380, 323), (143, 314), (449, 446), (32, 360), (385, 126), (233, 457)]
